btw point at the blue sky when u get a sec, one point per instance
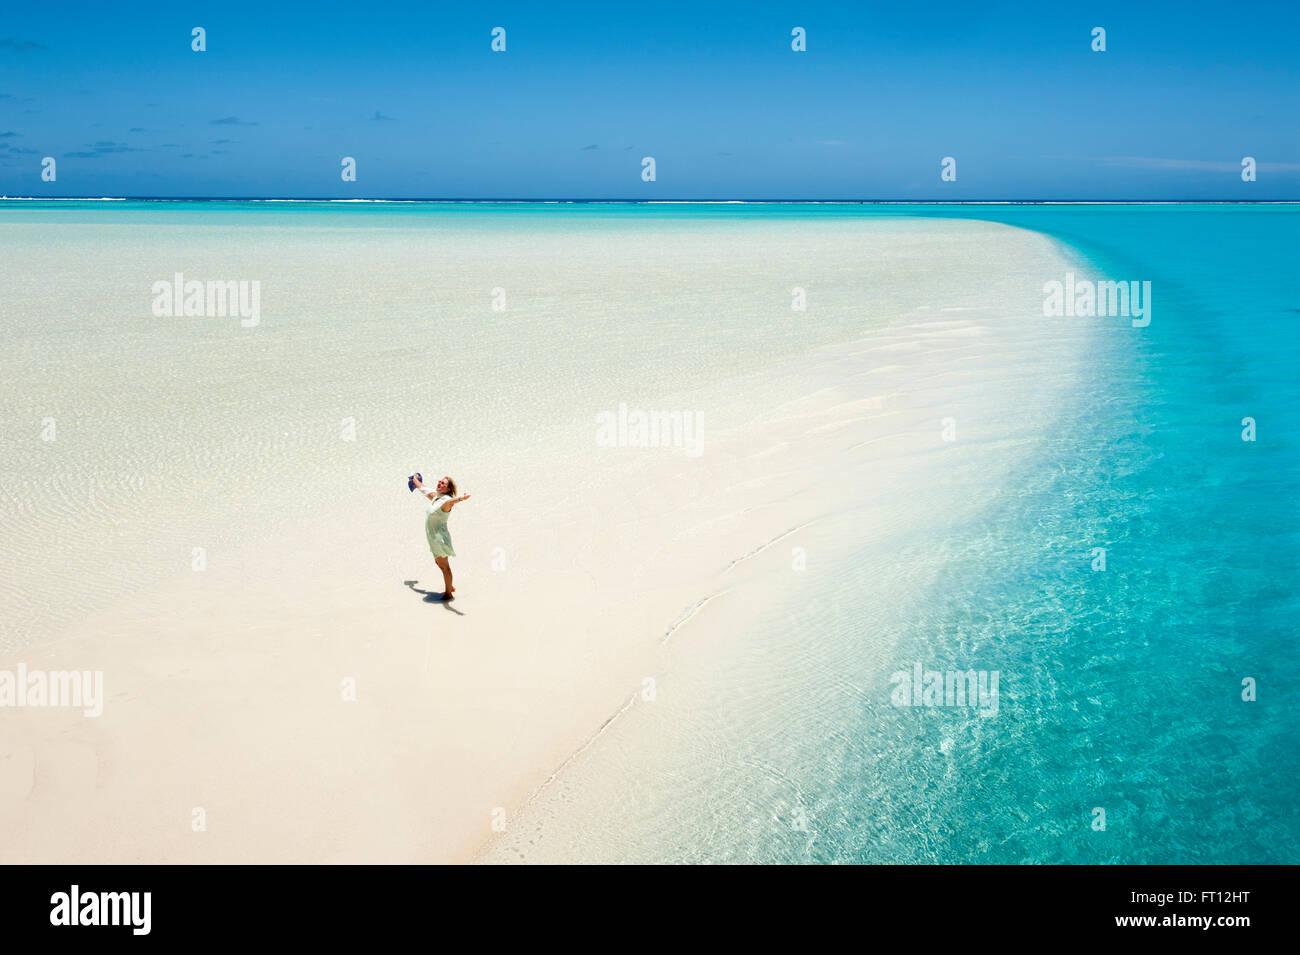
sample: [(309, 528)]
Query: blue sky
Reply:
[(713, 92)]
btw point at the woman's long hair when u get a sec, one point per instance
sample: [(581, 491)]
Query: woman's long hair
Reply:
[(451, 485)]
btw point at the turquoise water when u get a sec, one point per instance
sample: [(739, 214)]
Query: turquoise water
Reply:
[(1121, 689), (1136, 704), (1146, 659)]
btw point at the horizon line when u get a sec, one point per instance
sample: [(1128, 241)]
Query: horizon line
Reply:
[(610, 201)]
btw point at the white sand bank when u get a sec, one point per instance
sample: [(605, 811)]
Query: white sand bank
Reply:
[(224, 688)]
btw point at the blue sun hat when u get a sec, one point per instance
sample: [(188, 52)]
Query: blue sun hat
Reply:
[(410, 482)]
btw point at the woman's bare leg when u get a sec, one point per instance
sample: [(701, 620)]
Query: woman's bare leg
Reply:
[(444, 565)]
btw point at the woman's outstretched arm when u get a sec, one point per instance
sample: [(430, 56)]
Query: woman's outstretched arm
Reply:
[(420, 485), (454, 501)]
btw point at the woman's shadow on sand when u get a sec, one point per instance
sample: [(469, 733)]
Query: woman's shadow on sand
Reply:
[(433, 597)]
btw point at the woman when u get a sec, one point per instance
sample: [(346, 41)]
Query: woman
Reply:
[(441, 501)]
